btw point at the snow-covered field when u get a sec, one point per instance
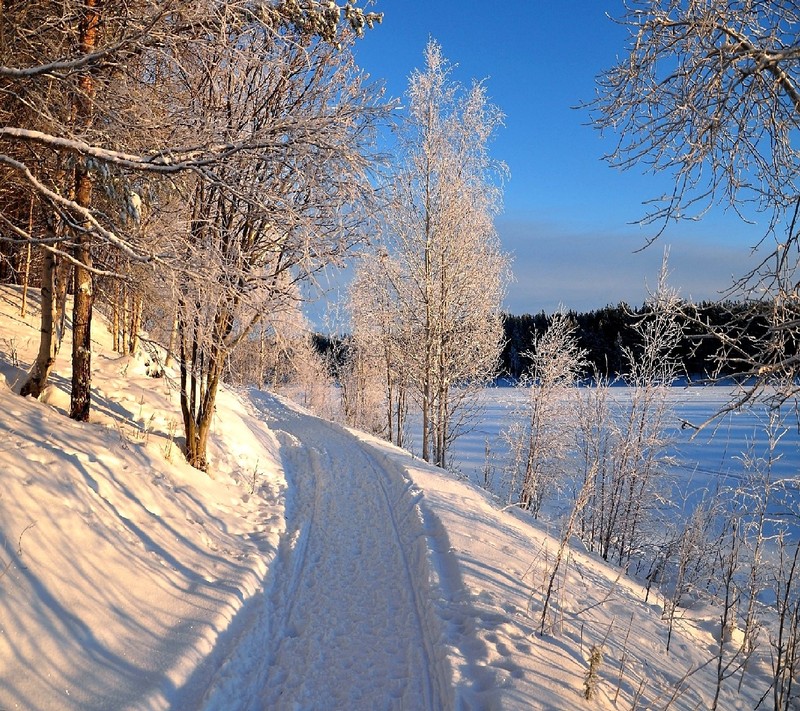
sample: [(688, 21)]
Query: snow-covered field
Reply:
[(313, 568)]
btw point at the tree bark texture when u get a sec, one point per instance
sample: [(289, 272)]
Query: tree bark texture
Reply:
[(53, 296), (84, 280)]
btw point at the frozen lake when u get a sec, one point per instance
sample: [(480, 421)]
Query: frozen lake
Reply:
[(703, 461)]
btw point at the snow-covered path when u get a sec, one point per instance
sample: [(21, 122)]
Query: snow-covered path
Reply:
[(351, 625)]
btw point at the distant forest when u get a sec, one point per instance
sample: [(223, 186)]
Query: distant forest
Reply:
[(607, 333)]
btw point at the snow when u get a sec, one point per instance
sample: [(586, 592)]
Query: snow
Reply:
[(313, 567), (348, 589), (128, 569)]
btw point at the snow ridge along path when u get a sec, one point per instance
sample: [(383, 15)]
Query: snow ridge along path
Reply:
[(352, 625)]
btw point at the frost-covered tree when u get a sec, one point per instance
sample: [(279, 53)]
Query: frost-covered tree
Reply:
[(541, 438), (623, 440), (442, 276), (275, 213), (381, 338), (91, 99), (707, 92)]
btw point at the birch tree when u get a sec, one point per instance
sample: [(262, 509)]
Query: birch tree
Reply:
[(541, 438), (624, 441), (275, 214), (444, 273), (380, 341)]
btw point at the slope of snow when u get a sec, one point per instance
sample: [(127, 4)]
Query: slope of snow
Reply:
[(490, 572), (314, 568), (126, 568)]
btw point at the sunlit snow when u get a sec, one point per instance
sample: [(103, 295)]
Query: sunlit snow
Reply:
[(312, 568)]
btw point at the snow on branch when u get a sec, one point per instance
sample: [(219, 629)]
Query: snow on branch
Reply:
[(74, 208)]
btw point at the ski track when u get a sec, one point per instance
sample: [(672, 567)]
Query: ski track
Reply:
[(352, 623)]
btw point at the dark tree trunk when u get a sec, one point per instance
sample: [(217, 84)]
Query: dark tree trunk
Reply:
[(82, 323), (84, 279)]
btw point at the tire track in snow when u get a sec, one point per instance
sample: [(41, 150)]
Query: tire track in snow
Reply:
[(294, 549), (422, 629), (351, 627)]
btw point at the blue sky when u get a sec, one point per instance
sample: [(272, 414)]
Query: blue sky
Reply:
[(568, 215)]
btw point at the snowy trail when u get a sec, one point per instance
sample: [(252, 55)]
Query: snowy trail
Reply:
[(351, 621)]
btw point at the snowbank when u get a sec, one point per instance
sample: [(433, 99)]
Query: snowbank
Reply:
[(127, 573)]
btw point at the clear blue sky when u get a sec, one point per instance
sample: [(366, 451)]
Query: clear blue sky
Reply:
[(568, 215)]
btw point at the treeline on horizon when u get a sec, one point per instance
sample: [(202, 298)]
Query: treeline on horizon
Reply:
[(606, 335)]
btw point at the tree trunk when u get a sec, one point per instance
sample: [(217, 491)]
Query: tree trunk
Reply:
[(84, 279), (197, 407), (188, 390), (115, 316), (50, 340), (401, 414), (389, 399), (200, 377), (27, 271), (136, 323), (171, 349), (197, 448), (82, 311)]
